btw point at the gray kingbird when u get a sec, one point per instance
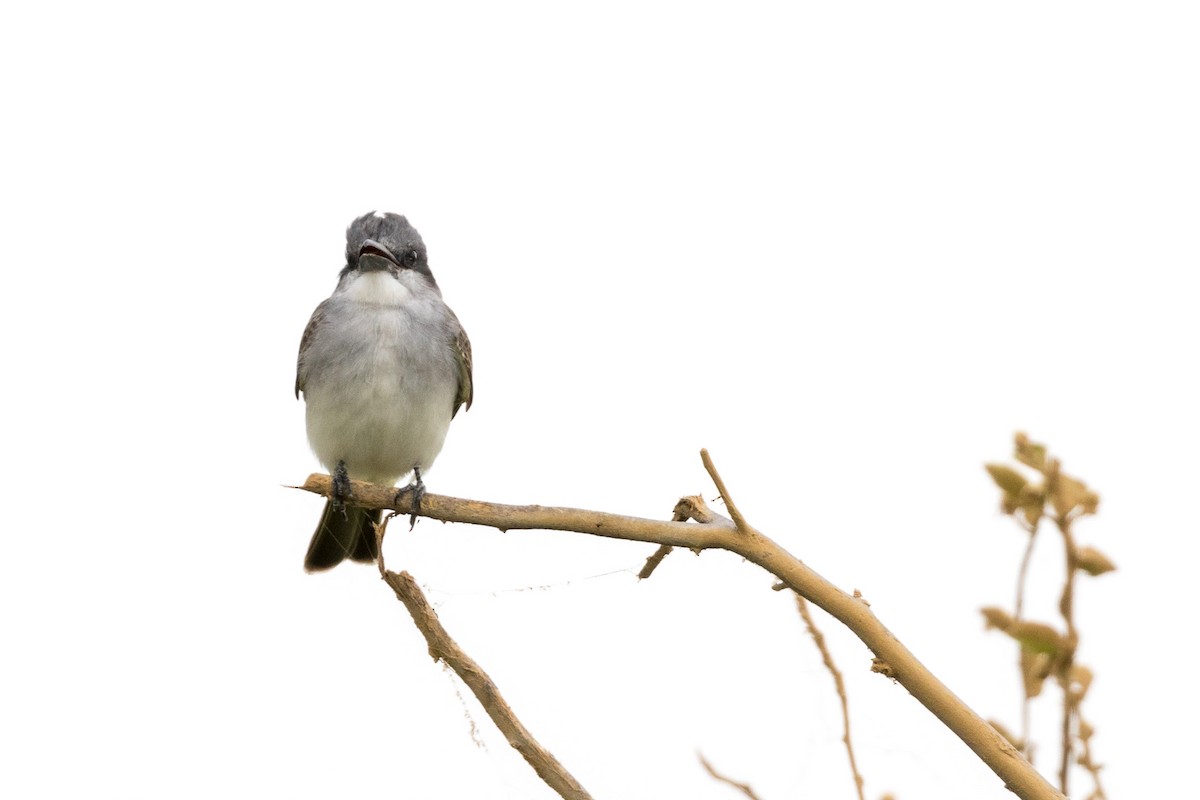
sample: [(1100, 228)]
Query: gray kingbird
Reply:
[(384, 365)]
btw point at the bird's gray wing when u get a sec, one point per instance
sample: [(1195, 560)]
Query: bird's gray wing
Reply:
[(310, 331), (462, 354)]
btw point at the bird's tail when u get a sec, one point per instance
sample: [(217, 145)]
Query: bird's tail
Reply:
[(341, 534)]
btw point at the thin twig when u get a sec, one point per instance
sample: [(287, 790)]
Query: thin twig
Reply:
[(678, 515), (819, 638), (734, 514), (445, 649), (1023, 572), (1066, 606), (719, 532), (1026, 700), (744, 788)]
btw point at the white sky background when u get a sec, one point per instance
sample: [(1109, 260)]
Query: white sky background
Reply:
[(850, 250)]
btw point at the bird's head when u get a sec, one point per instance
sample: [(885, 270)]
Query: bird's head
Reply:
[(385, 242)]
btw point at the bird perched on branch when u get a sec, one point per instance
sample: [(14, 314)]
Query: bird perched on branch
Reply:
[(384, 366)]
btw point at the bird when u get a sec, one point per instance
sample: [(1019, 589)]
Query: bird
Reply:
[(384, 366)]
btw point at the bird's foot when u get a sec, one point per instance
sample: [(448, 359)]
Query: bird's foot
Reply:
[(341, 487), (417, 487)]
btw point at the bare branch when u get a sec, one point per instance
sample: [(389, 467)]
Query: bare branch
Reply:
[(443, 648), (744, 788), (819, 638), (715, 531)]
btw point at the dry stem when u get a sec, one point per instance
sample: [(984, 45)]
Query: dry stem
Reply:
[(827, 657), (1067, 608), (443, 648), (744, 788), (716, 531), (1022, 574)]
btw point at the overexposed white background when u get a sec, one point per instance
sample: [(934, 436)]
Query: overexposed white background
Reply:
[(849, 248)]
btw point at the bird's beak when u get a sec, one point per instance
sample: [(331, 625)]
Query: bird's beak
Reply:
[(374, 257)]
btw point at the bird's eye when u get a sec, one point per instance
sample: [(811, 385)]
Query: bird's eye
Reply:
[(411, 257)]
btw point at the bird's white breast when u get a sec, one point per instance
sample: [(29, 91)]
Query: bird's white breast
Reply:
[(380, 379)]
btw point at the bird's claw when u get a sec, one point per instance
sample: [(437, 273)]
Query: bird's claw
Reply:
[(341, 487), (417, 487)]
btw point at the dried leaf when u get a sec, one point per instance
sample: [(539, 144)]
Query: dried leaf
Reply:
[(1033, 502), (1069, 493), (1029, 453), (1008, 479), (1093, 562), (1035, 668), (996, 618), (1009, 504), (1080, 681), (1036, 636)]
